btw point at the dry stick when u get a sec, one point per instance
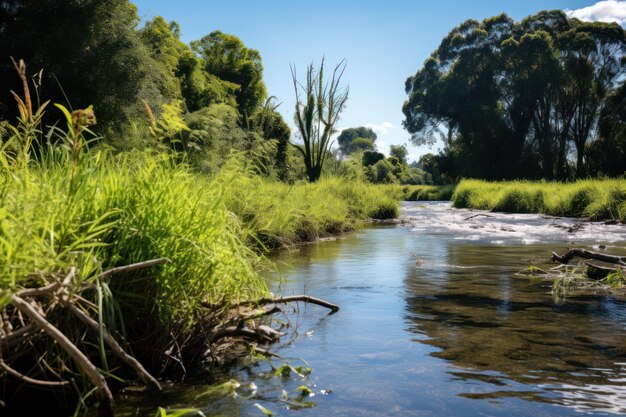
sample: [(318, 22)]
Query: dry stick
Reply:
[(18, 336), (117, 349), (36, 292), (265, 352), (79, 357), (293, 298), (28, 379), (477, 215), (583, 253), (133, 267)]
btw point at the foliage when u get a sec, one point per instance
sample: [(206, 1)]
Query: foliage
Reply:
[(356, 139), (513, 99), (316, 114), (226, 57), (277, 214), (428, 192), (88, 48), (595, 199)]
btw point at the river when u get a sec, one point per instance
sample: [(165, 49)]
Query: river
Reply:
[(434, 321)]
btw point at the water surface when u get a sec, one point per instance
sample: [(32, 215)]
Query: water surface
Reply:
[(434, 321)]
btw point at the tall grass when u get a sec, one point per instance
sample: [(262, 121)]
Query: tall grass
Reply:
[(277, 214), (594, 199), (117, 211), (428, 192)]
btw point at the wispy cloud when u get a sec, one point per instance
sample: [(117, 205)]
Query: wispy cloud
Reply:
[(381, 129), (603, 11)]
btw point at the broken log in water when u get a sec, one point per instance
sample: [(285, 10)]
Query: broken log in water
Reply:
[(586, 254)]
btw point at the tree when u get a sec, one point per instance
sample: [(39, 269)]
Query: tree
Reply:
[(319, 104), (400, 152), (226, 57), (270, 125), (371, 157), (89, 51), (429, 163), (607, 155), (356, 139), (512, 99)]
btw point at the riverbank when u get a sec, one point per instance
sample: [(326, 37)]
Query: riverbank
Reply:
[(70, 227), (593, 199)]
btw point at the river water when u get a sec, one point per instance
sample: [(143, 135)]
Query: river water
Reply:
[(434, 321)]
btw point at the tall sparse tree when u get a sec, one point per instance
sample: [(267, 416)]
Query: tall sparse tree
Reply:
[(319, 104)]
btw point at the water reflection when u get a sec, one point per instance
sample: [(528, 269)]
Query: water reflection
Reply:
[(504, 330), (455, 334)]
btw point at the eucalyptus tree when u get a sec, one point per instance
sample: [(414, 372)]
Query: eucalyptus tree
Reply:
[(319, 104), (514, 99)]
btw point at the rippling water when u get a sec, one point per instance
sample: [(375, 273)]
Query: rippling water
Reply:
[(436, 322)]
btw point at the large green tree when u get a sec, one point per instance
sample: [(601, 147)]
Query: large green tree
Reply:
[(226, 57), (89, 51), (513, 99), (356, 139)]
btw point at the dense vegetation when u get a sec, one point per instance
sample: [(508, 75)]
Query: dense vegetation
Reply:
[(594, 199), (193, 162), (540, 98)]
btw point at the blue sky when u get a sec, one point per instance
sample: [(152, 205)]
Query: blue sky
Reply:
[(383, 43)]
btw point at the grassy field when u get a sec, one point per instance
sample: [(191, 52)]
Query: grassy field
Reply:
[(594, 199)]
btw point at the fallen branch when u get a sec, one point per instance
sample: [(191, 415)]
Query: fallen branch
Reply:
[(117, 349), (24, 378), (79, 357), (235, 331), (260, 314), (583, 253), (290, 299)]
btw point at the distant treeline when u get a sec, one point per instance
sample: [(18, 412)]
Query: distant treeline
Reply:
[(540, 98)]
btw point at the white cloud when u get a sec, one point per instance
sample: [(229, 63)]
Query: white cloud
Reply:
[(381, 129), (603, 11)]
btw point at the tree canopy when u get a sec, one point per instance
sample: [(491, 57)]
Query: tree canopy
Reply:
[(356, 139), (89, 51), (517, 99), (226, 57)]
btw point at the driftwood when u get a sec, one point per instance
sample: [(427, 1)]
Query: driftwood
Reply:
[(473, 216), (290, 299), (27, 305), (26, 322), (586, 254), (90, 370), (594, 271)]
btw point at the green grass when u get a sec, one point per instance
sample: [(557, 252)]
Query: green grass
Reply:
[(428, 192), (135, 207), (122, 210), (594, 199), (277, 214)]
